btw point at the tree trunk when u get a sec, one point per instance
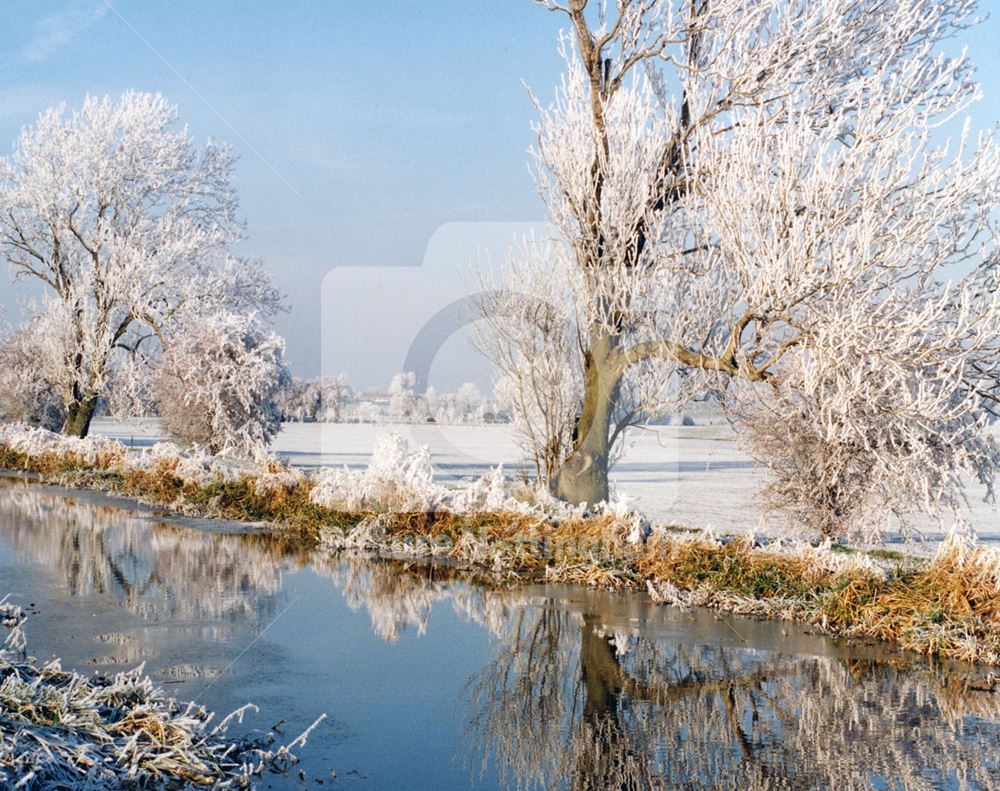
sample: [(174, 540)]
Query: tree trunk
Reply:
[(78, 417), (583, 477), (609, 759)]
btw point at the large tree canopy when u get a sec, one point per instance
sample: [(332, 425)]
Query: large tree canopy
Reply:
[(130, 226), (757, 199)]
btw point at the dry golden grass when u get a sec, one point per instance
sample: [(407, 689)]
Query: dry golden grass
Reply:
[(948, 606), (735, 566)]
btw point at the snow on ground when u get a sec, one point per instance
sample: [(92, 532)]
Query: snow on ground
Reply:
[(688, 475)]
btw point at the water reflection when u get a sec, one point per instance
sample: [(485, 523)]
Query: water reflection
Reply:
[(676, 716), (154, 568), (583, 691), (575, 698)]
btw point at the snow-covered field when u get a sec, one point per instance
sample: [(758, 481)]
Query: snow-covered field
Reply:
[(689, 475)]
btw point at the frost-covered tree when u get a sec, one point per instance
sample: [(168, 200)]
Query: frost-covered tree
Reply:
[(218, 384), (320, 400), (405, 403), (469, 402), (367, 412), (466, 405), (129, 226), (753, 199)]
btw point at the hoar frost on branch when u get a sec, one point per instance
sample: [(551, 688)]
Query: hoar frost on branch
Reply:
[(751, 199), (130, 227), (531, 341)]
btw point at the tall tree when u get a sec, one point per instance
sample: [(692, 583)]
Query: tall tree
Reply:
[(750, 198), (129, 226)]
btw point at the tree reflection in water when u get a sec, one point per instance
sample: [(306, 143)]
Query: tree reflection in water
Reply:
[(575, 696), (571, 700), (155, 569)]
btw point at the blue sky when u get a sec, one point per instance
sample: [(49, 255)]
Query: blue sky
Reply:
[(362, 127)]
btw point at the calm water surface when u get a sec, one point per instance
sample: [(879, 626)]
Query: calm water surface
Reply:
[(430, 681)]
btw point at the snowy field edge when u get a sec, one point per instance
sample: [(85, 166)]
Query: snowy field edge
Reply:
[(692, 476)]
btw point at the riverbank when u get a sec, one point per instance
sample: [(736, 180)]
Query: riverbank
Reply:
[(945, 606), (696, 476), (432, 680)]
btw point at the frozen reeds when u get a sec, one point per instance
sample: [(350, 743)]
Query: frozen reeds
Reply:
[(61, 730)]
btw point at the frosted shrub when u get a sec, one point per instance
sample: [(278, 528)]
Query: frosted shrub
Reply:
[(855, 442), (39, 442), (393, 464), (335, 488), (27, 395), (218, 383), (185, 424), (396, 479), (488, 493), (193, 467)]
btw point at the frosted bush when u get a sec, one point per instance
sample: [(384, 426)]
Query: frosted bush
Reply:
[(26, 393), (194, 467), (335, 488), (395, 479), (218, 383), (393, 464), (488, 493)]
